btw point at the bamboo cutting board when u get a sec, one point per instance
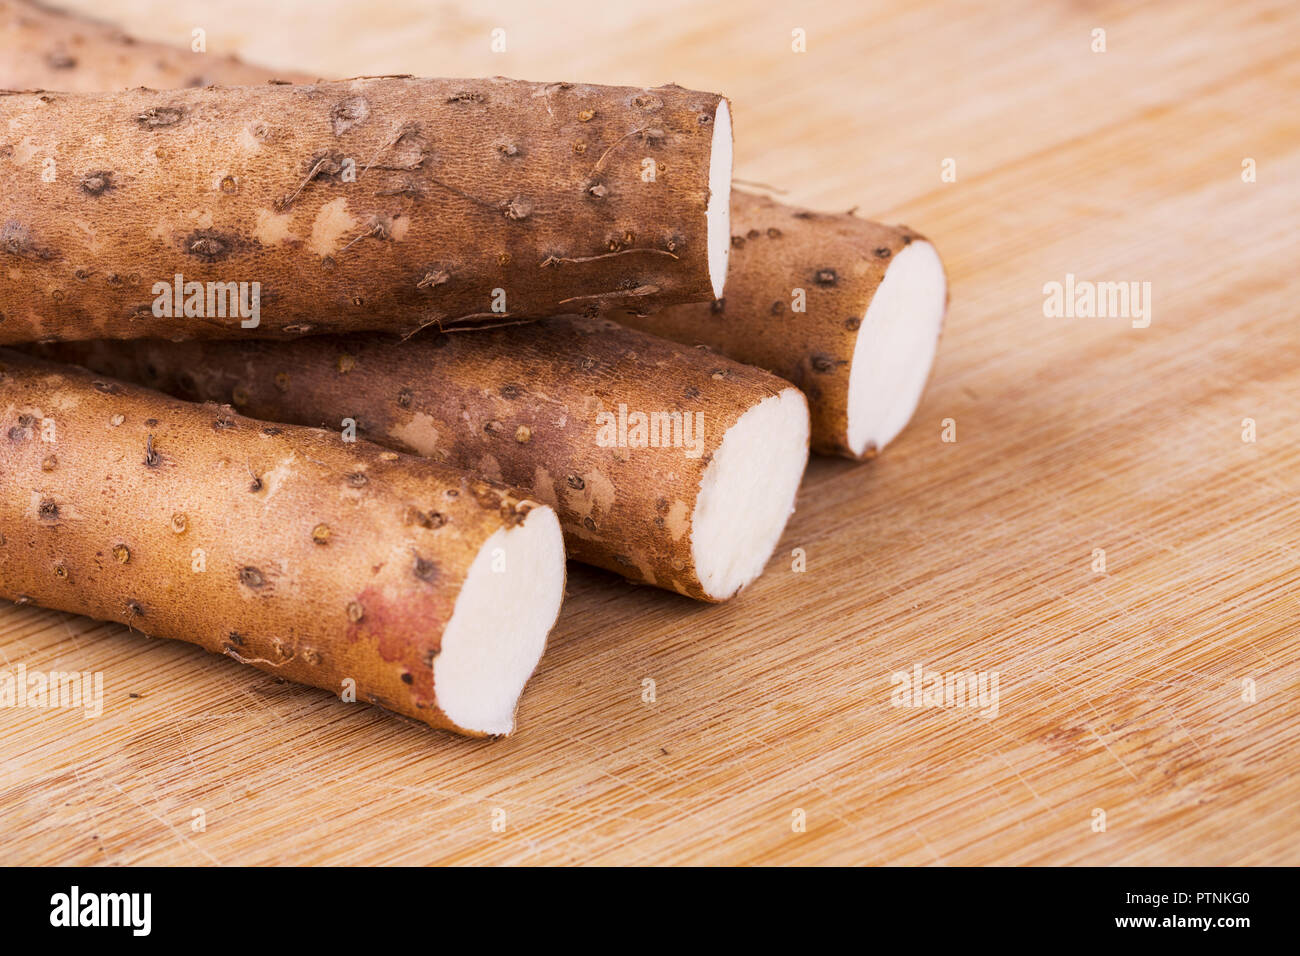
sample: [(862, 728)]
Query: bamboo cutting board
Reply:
[(1148, 712)]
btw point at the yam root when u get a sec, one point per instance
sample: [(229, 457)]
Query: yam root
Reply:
[(388, 204), (345, 566), (668, 465), (863, 364), (849, 310)]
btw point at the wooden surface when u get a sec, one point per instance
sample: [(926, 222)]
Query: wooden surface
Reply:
[(1120, 691)]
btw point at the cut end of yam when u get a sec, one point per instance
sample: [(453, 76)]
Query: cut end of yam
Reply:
[(895, 348), (497, 632), (719, 211), (748, 492)]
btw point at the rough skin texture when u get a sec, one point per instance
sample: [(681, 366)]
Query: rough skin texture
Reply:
[(838, 260), (517, 405), (388, 204), (752, 324), (320, 560)]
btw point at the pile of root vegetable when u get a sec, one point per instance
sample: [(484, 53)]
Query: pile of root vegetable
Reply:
[(329, 377)]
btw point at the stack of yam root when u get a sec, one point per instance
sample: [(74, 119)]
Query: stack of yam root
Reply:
[(330, 377)]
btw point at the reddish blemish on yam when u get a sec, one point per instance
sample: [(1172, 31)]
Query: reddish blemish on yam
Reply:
[(324, 581), (404, 629)]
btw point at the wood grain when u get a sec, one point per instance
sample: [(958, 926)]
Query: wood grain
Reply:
[(1120, 691)]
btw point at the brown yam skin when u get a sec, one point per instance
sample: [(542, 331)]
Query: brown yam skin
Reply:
[(474, 202), (839, 261), (517, 405), (753, 323), (45, 48), (324, 560)]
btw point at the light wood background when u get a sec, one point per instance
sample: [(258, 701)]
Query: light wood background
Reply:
[(1121, 691)]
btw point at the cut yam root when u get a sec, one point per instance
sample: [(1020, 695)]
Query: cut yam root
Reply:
[(862, 363), (874, 299), (410, 584), (497, 632), (748, 492), (669, 465), (895, 348), (389, 204)]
